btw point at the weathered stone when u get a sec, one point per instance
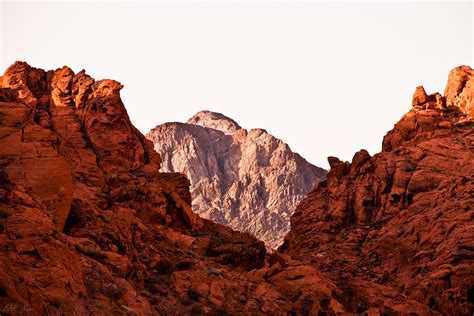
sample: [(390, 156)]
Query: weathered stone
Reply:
[(248, 180)]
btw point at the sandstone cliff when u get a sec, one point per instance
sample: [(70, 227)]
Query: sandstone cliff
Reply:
[(248, 180), (403, 219), (89, 226)]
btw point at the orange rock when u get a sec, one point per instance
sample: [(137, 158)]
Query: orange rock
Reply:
[(459, 92), (87, 223), (396, 227), (89, 226), (419, 97)]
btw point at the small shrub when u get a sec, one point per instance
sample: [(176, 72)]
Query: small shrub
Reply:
[(165, 267), (3, 288), (184, 265), (90, 287), (4, 214), (307, 305), (193, 294), (197, 310), (219, 311), (4, 181), (114, 291), (160, 280), (56, 302)]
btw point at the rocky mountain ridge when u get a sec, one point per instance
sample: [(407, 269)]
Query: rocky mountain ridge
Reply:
[(89, 226), (248, 180), (403, 219)]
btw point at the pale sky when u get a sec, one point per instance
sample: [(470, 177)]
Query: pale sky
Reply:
[(326, 78)]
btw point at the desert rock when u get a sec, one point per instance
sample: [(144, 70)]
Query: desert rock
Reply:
[(401, 220), (248, 180)]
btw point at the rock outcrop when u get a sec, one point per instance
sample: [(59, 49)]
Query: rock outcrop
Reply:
[(248, 180), (89, 226), (401, 221)]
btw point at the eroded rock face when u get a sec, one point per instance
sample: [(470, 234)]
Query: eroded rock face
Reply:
[(402, 220), (248, 180), (89, 226), (460, 90), (131, 243)]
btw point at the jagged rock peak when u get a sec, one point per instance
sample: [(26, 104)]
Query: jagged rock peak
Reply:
[(250, 181), (458, 95), (214, 120), (459, 91)]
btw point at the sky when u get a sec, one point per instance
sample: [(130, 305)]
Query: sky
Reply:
[(327, 78)]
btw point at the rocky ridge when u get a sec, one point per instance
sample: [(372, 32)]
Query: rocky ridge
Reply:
[(247, 180), (89, 226), (403, 219)]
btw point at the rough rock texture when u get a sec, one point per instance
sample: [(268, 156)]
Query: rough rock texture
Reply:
[(401, 221), (460, 90), (248, 180), (89, 226)]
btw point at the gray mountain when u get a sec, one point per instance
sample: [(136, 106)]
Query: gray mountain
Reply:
[(248, 180)]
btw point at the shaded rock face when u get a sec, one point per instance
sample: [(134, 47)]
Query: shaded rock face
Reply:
[(248, 180), (402, 220), (89, 226)]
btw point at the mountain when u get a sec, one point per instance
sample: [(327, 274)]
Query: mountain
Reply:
[(403, 219), (248, 180), (88, 225)]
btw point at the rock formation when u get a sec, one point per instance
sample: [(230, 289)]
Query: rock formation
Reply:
[(89, 226), (248, 180), (401, 220)]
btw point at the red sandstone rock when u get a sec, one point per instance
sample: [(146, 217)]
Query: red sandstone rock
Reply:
[(420, 96), (398, 225), (89, 226), (459, 91)]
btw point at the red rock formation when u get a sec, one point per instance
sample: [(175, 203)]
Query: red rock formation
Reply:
[(400, 222), (89, 226), (460, 90)]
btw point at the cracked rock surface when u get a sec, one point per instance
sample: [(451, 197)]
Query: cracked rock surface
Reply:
[(248, 180)]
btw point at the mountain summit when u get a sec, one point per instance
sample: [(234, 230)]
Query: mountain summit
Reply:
[(215, 121), (248, 180)]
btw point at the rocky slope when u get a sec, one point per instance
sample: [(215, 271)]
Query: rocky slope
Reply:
[(89, 226), (402, 220), (248, 180)]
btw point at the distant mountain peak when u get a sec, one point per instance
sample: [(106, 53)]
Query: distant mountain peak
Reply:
[(250, 181), (214, 120)]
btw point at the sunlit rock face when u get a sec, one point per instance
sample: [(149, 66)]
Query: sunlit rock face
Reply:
[(404, 217), (88, 225), (248, 180)]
